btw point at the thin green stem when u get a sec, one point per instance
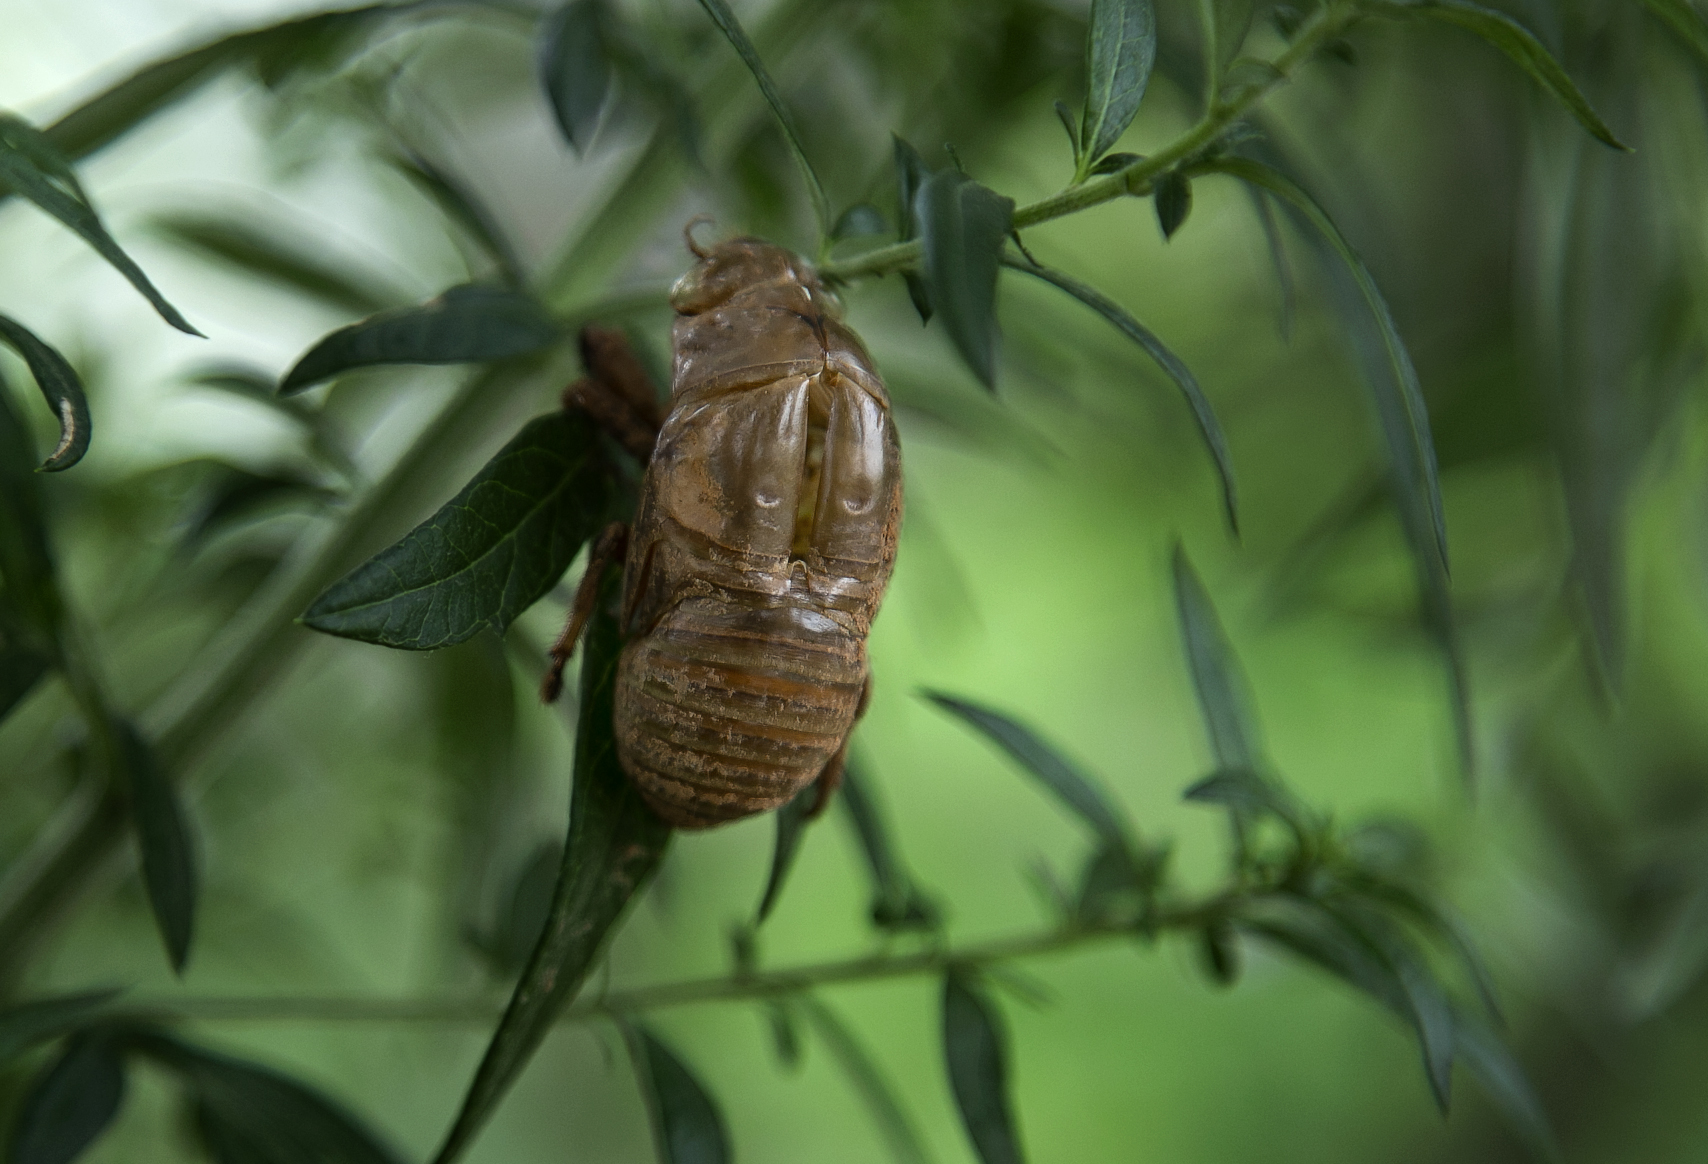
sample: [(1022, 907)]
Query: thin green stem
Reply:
[(740, 987), (1326, 23)]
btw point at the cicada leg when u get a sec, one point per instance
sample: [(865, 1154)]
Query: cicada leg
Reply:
[(607, 550), (616, 392), (830, 779)]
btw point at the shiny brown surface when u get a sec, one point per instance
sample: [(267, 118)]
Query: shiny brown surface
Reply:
[(765, 537)]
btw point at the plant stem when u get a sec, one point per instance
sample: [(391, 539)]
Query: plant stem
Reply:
[(1326, 23), (729, 988)]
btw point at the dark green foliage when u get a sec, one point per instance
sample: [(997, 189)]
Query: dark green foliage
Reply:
[(60, 386), (861, 220), (575, 69), (465, 325), (459, 204), (910, 176), (1173, 201), (1222, 697), (249, 1114), (1209, 427), (267, 255), (897, 904), (29, 602), (28, 1023), (1684, 20), (1110, 163), (21, 668), (71, 1102), (486, 556), (687, 1127), (35, 168), (791, 820), (615, 843), (964, 227), (1069, 785), (1119, 53), (1404, 418), (1220, 946), (1518, 43), (164, 838), (976, 1060), (737, 36)]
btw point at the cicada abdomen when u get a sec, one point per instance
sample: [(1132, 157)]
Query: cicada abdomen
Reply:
[(764, 540)]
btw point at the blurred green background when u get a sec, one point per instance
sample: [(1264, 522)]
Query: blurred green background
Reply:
[(367, 816)]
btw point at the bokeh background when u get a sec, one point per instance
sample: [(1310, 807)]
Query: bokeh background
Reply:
[(366, 817)]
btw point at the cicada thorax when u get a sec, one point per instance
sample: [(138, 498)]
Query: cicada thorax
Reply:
[(762, 546)]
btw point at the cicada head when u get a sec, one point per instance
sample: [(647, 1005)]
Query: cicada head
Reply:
[(728, 268)]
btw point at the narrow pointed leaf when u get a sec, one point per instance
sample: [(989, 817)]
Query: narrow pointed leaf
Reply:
[(1683, 18), (460, 204), (70, 1103), (168, 851), (1504, 1082), (1519, 44), (898, 904), (575, 69), (1215, 441), (265, 255), (250, 1114), (976, 1058), (486, 556), (29, 599), (963, 227), (1120, 50), (910, 175), (115, 111), (1404, 419), (791, 819), (1220, 949), (1071, 124), (59, 386), (900, 1133), (1070, 786), (687, 1127), (1173, 202), (28, 1023), (1216, 675), (465, 325), (615, 843), (737, 36), (1277, 257), (1247, 791), (33, 167)]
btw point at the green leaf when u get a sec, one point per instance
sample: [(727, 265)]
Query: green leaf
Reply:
[(1070, 786), (791, 819), (465, 325), (530, 903), (686, 1125), (1216, 675), (1504, 1083), (615, 843), (21, 668), (250, 1114), (898, 904), (1230, 22), (575, 70), (727, 24), (1247, 791), (1404, 418), (1071, 124), (963, 227), (1173, 197), (31, 165), (163, 835), (460, 204), (235, 494), (28, 1023), (861, 220), (29, 600), (1277, 256), (1219, 944), (1119, 52), (897, 1127), (70, 1103), (978, 1071), (61, 388), (490, 553), (910, 176), (1112, 882), (115, 111), (1518, 43), (1109, 163), (1683, 18), (1208, 426), (263, 254)]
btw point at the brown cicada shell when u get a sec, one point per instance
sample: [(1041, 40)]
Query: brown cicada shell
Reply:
[(761, 548)]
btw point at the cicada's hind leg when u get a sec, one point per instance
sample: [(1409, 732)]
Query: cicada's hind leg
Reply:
[(607, 550), (830, 779), (616, 392)]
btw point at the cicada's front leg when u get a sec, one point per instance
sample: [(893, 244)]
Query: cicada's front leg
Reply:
[(608, 549)]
